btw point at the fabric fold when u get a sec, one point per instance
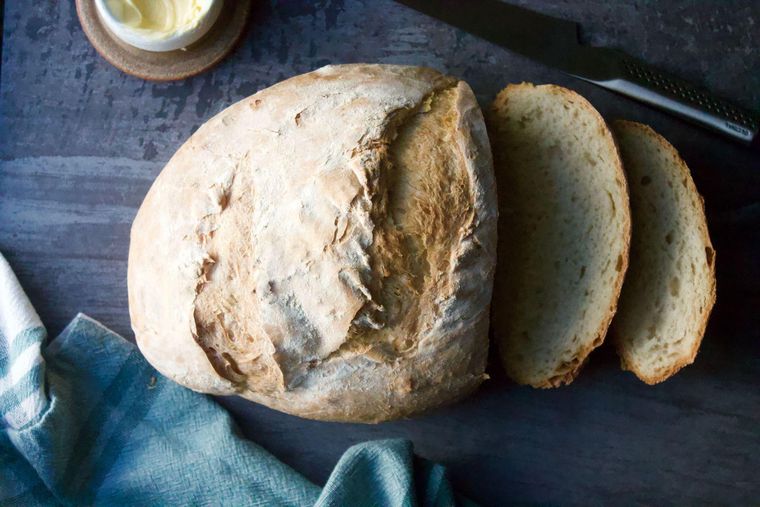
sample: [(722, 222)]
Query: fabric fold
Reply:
[(22, 368)]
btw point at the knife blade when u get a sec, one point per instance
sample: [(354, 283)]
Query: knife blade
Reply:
[(555, 42)]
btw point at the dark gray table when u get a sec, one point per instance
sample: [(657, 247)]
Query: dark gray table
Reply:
[(81, 142)]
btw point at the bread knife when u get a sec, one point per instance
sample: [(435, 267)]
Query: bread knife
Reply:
[(554, 42)]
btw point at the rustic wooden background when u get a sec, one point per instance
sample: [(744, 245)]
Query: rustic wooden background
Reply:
[(80, 143)]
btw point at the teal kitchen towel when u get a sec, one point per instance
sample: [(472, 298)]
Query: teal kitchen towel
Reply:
[(87, 421)]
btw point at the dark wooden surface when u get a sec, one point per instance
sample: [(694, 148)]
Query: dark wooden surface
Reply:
[(80, 143)]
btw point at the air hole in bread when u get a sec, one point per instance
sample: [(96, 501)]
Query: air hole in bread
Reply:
[(710, 255), (612, 203), (619, 263), (646, 180), (675, 286)]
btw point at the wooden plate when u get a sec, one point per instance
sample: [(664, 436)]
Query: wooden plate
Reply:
[(169, 65)]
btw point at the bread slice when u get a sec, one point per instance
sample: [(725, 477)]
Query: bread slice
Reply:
[(564, 231), (670, 287)]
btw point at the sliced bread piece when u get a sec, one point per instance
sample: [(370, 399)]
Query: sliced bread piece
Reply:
[(670, 287), (564, 231)]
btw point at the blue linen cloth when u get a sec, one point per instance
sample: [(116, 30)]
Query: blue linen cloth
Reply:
[(87, 421)]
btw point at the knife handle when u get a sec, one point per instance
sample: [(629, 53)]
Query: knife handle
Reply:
[(676, 96)]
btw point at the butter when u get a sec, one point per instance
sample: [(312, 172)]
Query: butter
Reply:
[(159, 19)]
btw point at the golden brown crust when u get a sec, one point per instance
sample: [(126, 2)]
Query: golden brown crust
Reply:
[(305, 250), (625, 361), (568, 370)]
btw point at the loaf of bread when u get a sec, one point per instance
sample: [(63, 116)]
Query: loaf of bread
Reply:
[(670, 287), (325, 247), (564, 231)]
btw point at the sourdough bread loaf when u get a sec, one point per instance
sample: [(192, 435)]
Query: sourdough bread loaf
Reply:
[(325, 247), (564, 231), (670, 287)]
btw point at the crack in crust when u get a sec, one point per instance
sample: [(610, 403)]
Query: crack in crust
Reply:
[(412, 184)]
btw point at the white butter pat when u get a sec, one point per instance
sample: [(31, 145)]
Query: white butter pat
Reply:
[(159, 19), (159, 25)]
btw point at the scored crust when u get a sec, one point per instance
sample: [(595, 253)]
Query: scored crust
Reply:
[(628, 327), (557, 354), (325, 247)]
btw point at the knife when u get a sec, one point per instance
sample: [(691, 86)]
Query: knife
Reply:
[(554, 42)]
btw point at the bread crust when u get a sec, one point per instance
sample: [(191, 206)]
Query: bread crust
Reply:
[(626, 361), (567, 371), (214, 306)]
